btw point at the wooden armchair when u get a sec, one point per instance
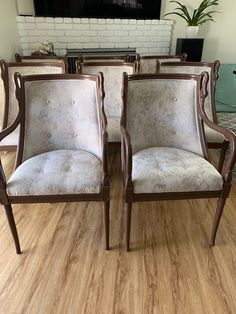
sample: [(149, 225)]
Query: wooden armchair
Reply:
[(165, 153), (215, 140), (62, 152), (148, 64), (44, 58), (112, 72), (10, 106)]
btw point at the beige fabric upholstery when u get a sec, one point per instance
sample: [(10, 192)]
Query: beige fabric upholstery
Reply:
[(10, 140), (211, 135), (149, 65), (113, 127), (2, 100), (167, 169), (57, 172), (61, 114), (112, 85), (162, 113), (24, 70)]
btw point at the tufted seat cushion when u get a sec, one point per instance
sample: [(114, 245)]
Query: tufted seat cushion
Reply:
[(57, 172), (168, 169), (113, 127)]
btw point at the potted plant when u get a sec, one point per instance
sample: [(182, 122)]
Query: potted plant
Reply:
[(199, 16)]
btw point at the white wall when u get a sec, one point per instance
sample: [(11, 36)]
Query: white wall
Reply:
[(9, 38)]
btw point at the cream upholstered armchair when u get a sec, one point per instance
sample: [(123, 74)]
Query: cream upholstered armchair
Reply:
[(10, 107), (62, 152), (112, 72), (215, 140), (165, 154), (148, 64), (44, 58)]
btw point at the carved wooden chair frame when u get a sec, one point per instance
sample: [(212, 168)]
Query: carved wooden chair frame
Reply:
[(130, 196), (4, 66), (214, 66), (103, 196)]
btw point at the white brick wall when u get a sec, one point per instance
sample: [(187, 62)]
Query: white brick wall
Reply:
[(148, 36)]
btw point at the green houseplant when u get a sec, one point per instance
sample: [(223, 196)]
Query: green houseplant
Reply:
[(198, 17)]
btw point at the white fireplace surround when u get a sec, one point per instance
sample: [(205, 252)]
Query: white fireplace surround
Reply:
[(147, 36)]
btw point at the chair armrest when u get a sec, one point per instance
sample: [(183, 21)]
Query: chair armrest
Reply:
[(127, 158)]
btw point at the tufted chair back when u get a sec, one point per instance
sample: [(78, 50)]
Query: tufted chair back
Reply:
[(8, 71), (148, 63), (161, 111), (197, 68), (60, 112), (112, 72)]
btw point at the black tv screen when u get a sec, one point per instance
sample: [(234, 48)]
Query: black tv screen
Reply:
[(136, 9)]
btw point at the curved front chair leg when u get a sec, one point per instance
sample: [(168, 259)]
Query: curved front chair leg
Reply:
[(218, 214), (12, 225), (128, 208), (222, 155), (106, 223)]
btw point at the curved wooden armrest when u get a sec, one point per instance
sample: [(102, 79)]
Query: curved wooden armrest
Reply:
[(127, 157)]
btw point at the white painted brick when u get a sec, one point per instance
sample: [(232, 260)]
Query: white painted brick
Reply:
[(93, 21), (83, 39), (29, 19), (98, 27), (124, 21), (163, 44), (107, 45), (28, 39), (101, 21), (121, 33), (75, 45), (143, 39), (121, 45), (55, 33), (73, 33), (61, 52), (162, 22), (58, 20), (166, 50), (136, 33), (136, 45), (168, 27), (149, 45), (67, 20), (140, 22), (81, 26), (26, 52), (113, 27), (28, 26), (143, 27), (155, 22), (63, 26), (76, 20), (133, 21), (117, 21), (157, 27), (60, 45), (49, 20), (65, 39), (105, 33), (23, 32), (37, 33), (114, 39), (157, 51), (34, 46), (85, 20), (109, 21), (91, 45), (164, 33), (89, 33), (25, 46), (39, 19), (170, 22), (150, 33), (129, 27), (98, 39), (142, 50), (148, 22), (45, 26), (129, 39), (20, 18)]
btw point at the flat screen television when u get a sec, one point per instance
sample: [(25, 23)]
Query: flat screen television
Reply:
[(135, 9)]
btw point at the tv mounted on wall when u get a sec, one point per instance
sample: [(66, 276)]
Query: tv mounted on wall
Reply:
[(136, 9)]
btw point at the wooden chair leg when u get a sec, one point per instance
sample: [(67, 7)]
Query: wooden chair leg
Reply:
[(218, 214), (12, 225), (128, 208), (222, 155), (106, 223)]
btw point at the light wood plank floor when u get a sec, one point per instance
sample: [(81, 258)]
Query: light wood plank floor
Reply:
[(171, 269)]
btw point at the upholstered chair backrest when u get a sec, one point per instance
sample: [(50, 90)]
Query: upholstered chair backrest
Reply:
[(196, 68), (2, 100), (161, 111), (60, 112), (148, 63), (112, 72), (26, 69)]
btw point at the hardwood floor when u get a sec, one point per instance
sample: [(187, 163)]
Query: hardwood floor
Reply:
[(170, 269)]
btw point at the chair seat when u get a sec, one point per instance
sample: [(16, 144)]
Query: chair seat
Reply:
[(213, 136), (167, 169), (11, 140), (113, 127), (57, 172)]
